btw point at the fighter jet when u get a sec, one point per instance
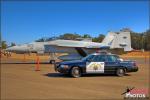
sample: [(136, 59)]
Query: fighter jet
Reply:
[(76, 49), (79, 49)]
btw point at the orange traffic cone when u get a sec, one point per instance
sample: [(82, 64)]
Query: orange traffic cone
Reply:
[(37, 64)]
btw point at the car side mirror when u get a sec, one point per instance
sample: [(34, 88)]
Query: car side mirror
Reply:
[(120, 59)]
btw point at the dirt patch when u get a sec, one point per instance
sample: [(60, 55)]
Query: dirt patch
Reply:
[(21, 81)]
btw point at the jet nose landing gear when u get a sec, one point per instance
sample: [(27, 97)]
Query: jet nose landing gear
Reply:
[(52, 61)]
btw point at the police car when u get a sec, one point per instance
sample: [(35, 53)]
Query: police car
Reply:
[(99, 63)]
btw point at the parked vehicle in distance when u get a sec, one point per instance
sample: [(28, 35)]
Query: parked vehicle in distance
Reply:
[(97, 63)]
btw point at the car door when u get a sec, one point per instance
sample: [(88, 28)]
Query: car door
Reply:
[(96, 65), (111, 64)]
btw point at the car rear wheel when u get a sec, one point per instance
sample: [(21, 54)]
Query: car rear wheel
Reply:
[(75, 72), (120, 72)]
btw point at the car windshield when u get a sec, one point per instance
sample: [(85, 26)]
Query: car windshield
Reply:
[(89, 57)]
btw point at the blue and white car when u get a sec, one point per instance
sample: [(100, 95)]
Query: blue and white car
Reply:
[(97, 63)]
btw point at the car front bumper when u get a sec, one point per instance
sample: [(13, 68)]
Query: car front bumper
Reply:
[(133, 69), (61, 70)]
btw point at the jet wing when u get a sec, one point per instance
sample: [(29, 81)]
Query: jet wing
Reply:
[(80, 44), (98, 46), (69, 43)]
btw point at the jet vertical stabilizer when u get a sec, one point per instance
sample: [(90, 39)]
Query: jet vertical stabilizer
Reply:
[(120, 39)]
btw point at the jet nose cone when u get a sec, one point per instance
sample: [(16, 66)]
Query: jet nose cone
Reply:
[(10, 49), (18, 49)]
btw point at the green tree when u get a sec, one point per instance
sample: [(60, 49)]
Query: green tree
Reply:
[(147, 40), (99, 38), (69, 36), (136, 40), (140, 40), (41, 39), (86, 36), (3, 44), (13, 44)]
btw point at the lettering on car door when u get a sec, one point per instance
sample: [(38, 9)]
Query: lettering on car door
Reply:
[(96, 65)]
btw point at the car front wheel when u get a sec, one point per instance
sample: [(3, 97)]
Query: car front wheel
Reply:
[(120, 72), (75, 72)]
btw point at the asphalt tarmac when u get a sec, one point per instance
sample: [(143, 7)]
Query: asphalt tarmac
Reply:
[(19, 80)]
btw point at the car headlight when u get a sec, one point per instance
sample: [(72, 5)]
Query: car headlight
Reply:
[(64, 66)]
